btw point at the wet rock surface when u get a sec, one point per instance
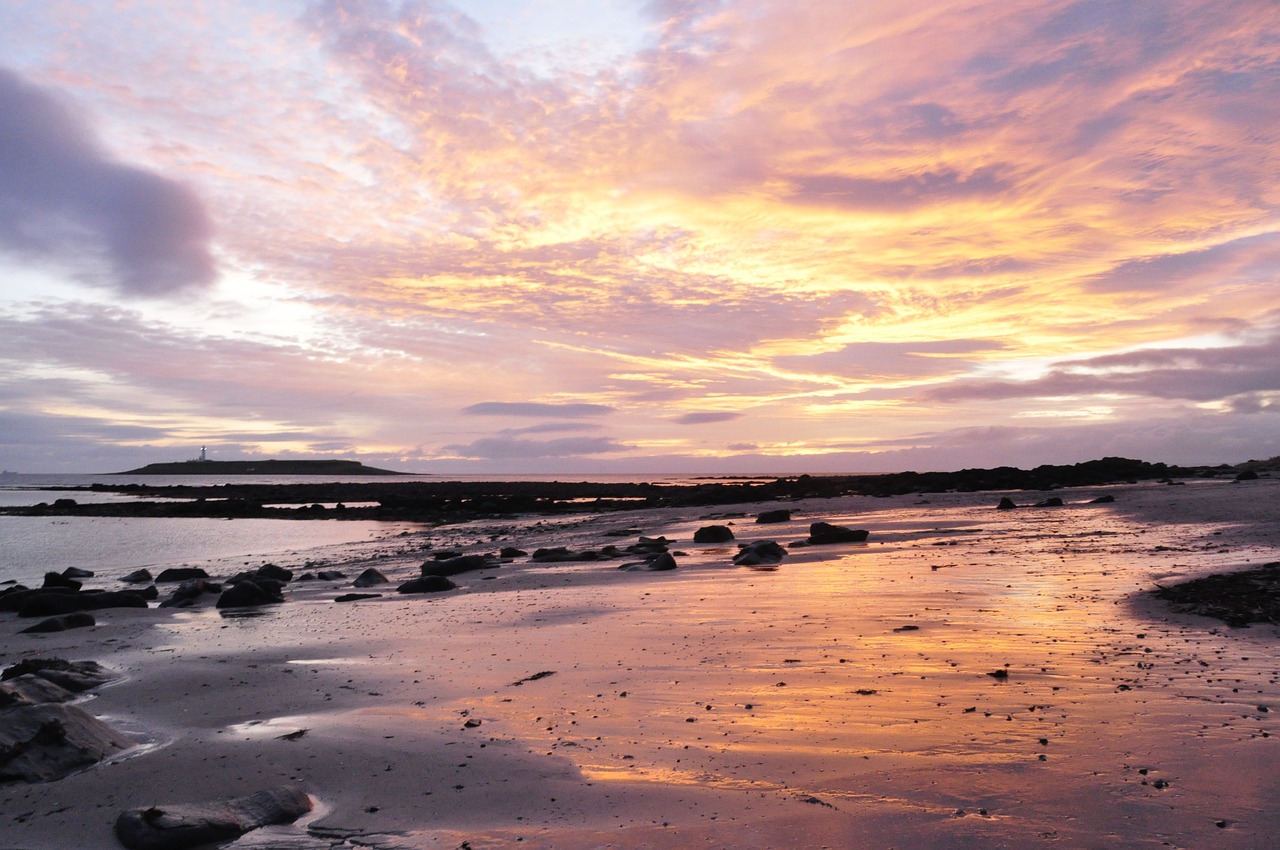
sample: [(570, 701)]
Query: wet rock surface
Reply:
[(180, 826), (1238, 599)]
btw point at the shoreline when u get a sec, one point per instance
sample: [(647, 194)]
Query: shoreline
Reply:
[(718, 705)]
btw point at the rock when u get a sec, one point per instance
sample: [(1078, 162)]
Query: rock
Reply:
[(369, 578), (825, 532), (1006, 504), (137, 577), (1247, 475), (76, 620), (760, 553), (557, 554), (331, 575), (274, 572), (356, 597), (459, 564), (778, 515), (512, 552), (660, 563), (713, 534), (76, 572), (1051, 502), (176, 827), (188, 593), (39, 743), (427, 584), (75, 676), (181, 574), (31, 689), (1103, 500), (53, 604), (250, 592), (59, 580)]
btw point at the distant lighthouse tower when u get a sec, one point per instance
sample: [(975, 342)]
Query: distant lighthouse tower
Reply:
[(203, 457)]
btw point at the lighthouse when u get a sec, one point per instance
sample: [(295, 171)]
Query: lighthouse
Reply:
[(203, 457)]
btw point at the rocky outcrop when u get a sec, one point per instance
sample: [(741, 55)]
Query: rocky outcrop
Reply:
[(369, 578), (761, 553), (659, 563), (459, 564), (176, 827), (824, 532), (250, 592), (713, 534), (427, 584)]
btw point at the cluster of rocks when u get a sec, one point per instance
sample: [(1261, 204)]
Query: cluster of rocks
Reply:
[(1238, 599), (1007, 504)]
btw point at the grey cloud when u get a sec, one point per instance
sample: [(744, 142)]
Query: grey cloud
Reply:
[(892, 359), (513, 448), (63, 201), (707, 417), (1192, 374), (1245, 260), (530, 408), (898, 193)]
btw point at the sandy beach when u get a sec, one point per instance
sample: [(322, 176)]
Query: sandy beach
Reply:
[(844, 699)]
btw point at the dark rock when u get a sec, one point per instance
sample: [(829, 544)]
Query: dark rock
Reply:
[(760, 553), (1238, 598), (53, 604), (512, 552), (660, 563), (460, 564), (779, 515), (59, 580), (713, 534), (248, 593), (177, 827), (369, 578), (74, 676), (274, 572), (1006, 504), (75, 620), (40, 743), (356, 597), (825, 532), (1051, 502), (76, 572), (331, 575), (181, 574), (427, 584), (188, 593), (137, 577), (30, 689), (557, 554), (1247, 475), (1103, 500)]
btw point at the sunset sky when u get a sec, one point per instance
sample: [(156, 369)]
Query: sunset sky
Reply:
[(543, 236)]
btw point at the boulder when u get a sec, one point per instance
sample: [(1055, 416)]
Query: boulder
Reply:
[(31, 689), (76, 572), (1247, 475), (512, 552), (39, 743), (459, 564), (59, 580), (1006, 504), (713, 534), (369, 578), (660, 563), (137, 577), (557, 554), (1051, 502), (825, 532), (760, 553), (74, 676), (427, 584), (176, 827), (181, 574), (779, 515), (356, 597), (53, 604), (188, 593), (1103, 500), (251, 592), (331, 575), (76, 620), (274, 572)]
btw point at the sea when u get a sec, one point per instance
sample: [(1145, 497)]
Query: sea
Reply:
[(114, 546)]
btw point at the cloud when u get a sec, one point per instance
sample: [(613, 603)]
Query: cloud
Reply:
[(707, 417), (530, 408), (514, 448), (65, 202), (900, 193)]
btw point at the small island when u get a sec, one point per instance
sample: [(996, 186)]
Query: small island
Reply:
[(259, 467)]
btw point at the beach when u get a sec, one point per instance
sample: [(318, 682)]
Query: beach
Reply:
[(967, 677)]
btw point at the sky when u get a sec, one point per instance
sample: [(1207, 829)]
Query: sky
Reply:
[(625, 236)]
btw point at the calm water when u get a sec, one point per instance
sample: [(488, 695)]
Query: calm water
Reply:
[(111, 546)]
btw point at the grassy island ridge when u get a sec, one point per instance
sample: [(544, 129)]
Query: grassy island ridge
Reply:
[(260, 467)]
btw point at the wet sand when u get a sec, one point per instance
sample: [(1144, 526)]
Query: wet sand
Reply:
[(842, 700)]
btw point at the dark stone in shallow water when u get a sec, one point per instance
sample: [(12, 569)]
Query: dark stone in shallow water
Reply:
[(1006, 504), (825, 532), (759, 554), (369, 578), (181, 574), (249, 592), (713, 534), (39, 743), (176, 827), (137, 577), (75, 620), (779, 515), (427, 584)]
